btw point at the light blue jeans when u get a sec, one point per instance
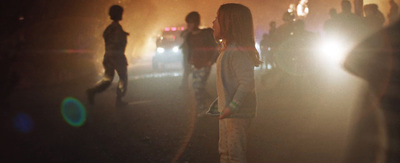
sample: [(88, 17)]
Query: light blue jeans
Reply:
[(200, 77)]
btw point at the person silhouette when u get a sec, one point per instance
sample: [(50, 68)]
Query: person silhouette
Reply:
[(202, 54), (374, 18), (376, 60), (115, 39), (329, 25), (349, 25)]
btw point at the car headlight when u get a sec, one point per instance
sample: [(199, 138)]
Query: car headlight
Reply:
[(175, 49), (160, 50)]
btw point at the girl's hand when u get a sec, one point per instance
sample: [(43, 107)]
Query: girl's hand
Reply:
[(225, 113)]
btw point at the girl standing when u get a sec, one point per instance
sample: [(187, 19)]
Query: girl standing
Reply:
[(235, 79)]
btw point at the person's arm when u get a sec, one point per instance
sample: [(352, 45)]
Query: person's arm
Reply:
[(212, 46), (243, 67)]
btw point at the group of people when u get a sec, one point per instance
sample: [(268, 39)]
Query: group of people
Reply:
[(283, 43), (235, 58), (230, 44)]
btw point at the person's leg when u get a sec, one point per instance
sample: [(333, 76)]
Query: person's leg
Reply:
[(122, 71), (199, 83), (206, 95), (235, 137), (185, 76), (104, 83), (223, 143)]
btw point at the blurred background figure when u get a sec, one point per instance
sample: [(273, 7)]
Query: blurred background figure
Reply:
[(272, 27), (266, 53), (374, 18), (266, 45), (203, 52), (282, 33), (348, 25), (358, 7), (393, 14), (329, 25)]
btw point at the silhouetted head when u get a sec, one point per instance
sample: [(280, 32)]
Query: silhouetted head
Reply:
[(346, 6), (288, 17), (193, 17), (332, 12), (272, 24), (115, 12), (371, 9)]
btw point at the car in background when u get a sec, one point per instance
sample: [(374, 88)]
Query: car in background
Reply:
[(168, 49)]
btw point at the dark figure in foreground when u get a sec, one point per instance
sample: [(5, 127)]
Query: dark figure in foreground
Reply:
[(376, 137), (114, 58)]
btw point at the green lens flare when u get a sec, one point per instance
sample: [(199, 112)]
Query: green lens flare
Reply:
[(73, 112)]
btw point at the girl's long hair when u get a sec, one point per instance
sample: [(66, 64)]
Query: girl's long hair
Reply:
[(236, 26)]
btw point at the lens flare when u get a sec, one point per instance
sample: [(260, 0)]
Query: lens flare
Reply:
[(73, 111), (23, 123), (333, 51)]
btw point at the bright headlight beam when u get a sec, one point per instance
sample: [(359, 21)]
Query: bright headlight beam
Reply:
[(160, 50), (175, 49), (332, 51)]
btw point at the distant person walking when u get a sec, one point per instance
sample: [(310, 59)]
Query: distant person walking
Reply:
[(202, 53), (115, 39), (235, 80)]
